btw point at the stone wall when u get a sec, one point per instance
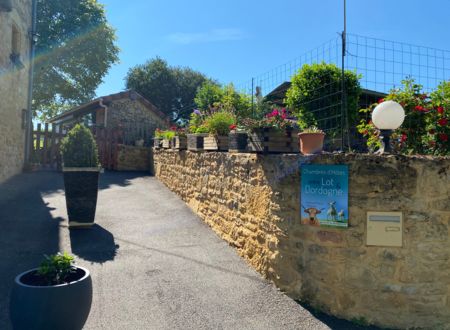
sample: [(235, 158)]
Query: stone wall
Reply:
[(252, 201), (13, 86), (135, 114), (131, 158)]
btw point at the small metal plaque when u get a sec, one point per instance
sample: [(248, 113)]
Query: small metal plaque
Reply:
[(384, 229)]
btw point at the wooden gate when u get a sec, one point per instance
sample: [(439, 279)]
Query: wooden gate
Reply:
[(45, 153)]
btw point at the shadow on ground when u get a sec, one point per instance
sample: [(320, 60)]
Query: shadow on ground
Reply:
[(94, 244), (336, 323), (121, 179), (28, 229)]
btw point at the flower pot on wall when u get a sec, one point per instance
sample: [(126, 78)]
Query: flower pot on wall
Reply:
[(311, 143), (195, 141), (166, 144), (271, 140), (81, 188), (237, 142), (179, 143), (215, 143), (157, 143), (63, 306)]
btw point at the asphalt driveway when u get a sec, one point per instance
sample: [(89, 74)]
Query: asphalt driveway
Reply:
[(154, 264)]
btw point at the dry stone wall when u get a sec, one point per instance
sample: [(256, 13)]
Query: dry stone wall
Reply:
[(252, 201), (13, 86)]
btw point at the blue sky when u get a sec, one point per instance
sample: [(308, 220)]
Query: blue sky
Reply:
[(234, 40)]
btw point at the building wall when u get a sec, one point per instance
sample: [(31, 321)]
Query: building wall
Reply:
[(13, 86), (253, 202), (134, 114)]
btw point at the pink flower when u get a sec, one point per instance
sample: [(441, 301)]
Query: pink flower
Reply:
[(443, 122)]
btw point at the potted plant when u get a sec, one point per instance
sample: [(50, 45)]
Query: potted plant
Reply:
[(311, 140), (275, 133), (57, 295), (237, 139), (197, 131), (167, 138), (157, 140), (218, 125), (179, 142), (81, 171)]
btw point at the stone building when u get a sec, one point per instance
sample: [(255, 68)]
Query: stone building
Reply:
[(136, 117), (15, 27)]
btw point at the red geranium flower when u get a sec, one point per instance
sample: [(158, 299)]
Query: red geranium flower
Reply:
[(380, 100), (403, 138), (440, 110), (419, 108), (443, 137), (232, 127), (443, 122)]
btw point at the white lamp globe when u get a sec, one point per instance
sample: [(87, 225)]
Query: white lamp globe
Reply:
[(388, 115)]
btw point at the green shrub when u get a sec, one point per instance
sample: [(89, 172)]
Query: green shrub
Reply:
[(208, 95), (219, 122), (169, 135), (315, 95), (56, 268), (79, 149)]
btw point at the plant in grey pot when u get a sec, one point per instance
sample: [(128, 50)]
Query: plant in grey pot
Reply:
[(57, 295), (81, 171)]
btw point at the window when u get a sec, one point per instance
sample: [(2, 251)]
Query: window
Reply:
[(15, 47)]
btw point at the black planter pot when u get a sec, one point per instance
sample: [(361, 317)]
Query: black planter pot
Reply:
[(237, 142), (81, 186), (62, 307)]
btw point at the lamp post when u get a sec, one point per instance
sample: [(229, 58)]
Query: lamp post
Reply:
[(387, 117)]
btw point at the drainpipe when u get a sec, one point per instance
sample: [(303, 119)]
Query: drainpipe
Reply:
[(106, 111), (29, 114)]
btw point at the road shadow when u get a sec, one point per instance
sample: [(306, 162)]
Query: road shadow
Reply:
[(121, 179), (94, 244), (28, 230), (336, 323)]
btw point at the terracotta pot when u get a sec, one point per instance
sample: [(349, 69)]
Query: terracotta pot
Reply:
[(311, 143)]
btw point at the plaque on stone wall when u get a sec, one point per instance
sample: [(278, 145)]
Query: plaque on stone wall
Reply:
[(324, 195)]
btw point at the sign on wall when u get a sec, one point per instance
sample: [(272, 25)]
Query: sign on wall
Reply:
[(324, 195)]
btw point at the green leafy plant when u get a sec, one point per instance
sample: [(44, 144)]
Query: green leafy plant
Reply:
[(219, 123), (312, 129), (55, 269), (196, 121), (79, 149), (315, 94), (169, 135), (159, 134)]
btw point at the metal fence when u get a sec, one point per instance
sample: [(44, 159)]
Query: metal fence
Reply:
[(381, 66)]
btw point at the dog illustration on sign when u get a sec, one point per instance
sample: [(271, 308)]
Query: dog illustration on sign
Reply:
[(312, 213)]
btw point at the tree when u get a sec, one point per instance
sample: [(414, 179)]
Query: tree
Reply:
[(171, 89), (212, 95), (75, 49), (315, 95)]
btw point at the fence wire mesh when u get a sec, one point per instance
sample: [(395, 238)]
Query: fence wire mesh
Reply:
[(381, 66)]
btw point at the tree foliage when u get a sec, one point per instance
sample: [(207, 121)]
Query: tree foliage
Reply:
[(75, 49), (315, 94), (171, 89), (212, 96)]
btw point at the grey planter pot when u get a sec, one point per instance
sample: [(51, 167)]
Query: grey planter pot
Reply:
[(62, 307)]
